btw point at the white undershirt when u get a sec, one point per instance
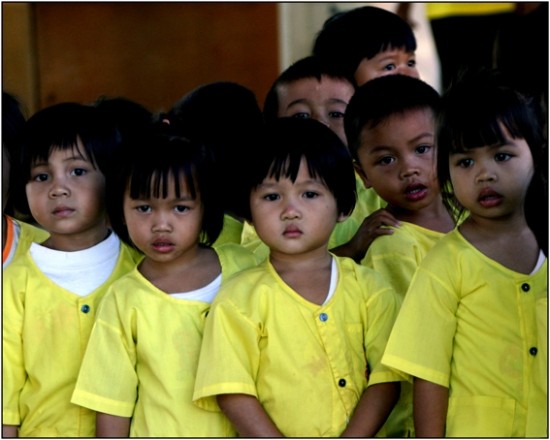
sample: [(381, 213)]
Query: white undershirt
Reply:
[(540, 262), (204, 294), (80, 272), (333, 281)]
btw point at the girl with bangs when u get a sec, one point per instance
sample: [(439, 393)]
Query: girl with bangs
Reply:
[(139, 369), (478, 355)]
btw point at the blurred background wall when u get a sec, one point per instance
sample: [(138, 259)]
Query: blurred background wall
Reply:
[(155, 52)]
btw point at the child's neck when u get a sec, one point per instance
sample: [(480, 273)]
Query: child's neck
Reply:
[(309, 277), (434, 217), (190, 272), (509, 242), (78, 241)]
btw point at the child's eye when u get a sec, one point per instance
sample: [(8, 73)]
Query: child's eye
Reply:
[(40, 177), (336, 115), (411, 63), (422, 149), (143, 208), (389, 67), (301, 115), (271, 197), (386, 160), (310, 194), (79, 172), (502, 157), (181, 208), (465, 163)]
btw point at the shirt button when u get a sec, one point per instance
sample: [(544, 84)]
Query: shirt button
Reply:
[(323, 317), (533, 351), (525, 287), (342, 382), (85, 308)]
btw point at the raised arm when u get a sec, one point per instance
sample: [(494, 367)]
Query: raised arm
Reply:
[(430, 402), (247, 415)]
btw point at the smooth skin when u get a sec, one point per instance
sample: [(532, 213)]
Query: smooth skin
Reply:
[(167, 231), (388, 62), (66, 197), (295, 220), (397, 158)]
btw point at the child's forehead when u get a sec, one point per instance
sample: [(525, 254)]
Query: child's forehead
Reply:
[(335, 85)]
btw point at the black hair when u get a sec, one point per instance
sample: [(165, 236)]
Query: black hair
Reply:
[(162, 153), (473, 111), (226, 117), (348, 37), (130, 117), (308, 67), (382, 97), (287, 141), (59, 127)]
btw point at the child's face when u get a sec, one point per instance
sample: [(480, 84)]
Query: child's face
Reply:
[(294, 218), (389, 62), (66, 196), (397, 159), (324, 100), (165, 229), (492, 181)]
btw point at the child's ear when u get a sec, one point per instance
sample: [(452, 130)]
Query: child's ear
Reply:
[(362, 174)]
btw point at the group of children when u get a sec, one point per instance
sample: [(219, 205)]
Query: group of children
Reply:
[(364, 257)]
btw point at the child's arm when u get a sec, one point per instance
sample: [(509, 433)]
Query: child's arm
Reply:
[(108, 425), (430, 402), (9, 431), (247, 415), (371, 228), (372, 410)]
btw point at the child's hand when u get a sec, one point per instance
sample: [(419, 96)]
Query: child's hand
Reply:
[(373, 226)]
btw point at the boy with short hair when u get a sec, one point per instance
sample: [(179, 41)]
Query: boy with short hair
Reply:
[(368, 42), (390, 123)]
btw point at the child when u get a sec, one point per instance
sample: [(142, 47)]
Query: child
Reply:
[(17, 235), (390, 123), (478, 355), (50, 294), (307, 322), (227, 118), (368, 42), (140, 365), (310, 88)]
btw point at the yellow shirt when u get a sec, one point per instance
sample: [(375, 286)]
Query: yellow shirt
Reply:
[(480, 329), (45, 332), (304, 362), (367, 202), (19, 236), (397, 256), (231, 232), (435, 10), (142, 357)]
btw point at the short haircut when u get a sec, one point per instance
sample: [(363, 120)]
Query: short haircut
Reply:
[(472, 111), (348, 37), (382, 97), (59, 127), (287, 141), (308, 67), (158, 155)]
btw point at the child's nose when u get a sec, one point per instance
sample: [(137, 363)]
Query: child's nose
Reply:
[(59, 187)]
